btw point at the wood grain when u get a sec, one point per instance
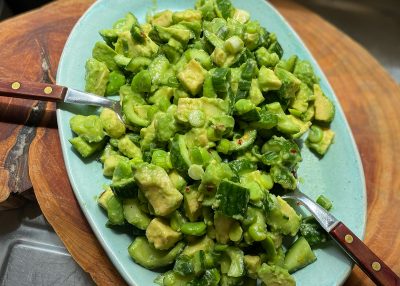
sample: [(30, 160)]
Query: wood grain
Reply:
[(372, 265), (370, 101)]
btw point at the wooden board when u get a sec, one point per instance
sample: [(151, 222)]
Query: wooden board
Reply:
[(369, 97)]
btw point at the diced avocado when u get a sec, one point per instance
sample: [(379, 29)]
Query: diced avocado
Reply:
[(219, 56), (171, 278), (285, 124), (265, 58), (128, 148), (154, 182), (252, 264), (268, 80), (134, 214), (115, 211), (138, 64), (162, 98), (148, 135), (199, 55), (214, 174), (111, 123), (236, 263), (177, 180), (321, 146), (143, 253), (192, 77), (178, 32), (282, 217), (231, 199), (303, 126), (128, 47), (290, 84), (96, 77), (84, 148), (188, 15), (273, 275), (299, 255), (89, 127), (211, 107), (192, 205), (103, 53), (304, 72), (222, 225), (324, 108), (288, 64), (206, 244), (163, 18), (255, 94), (303, 96), (111, 162), (161, 235)]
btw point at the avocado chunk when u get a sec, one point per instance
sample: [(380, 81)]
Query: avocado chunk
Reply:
[(211, 107), (154, 182), (319, 139), (324, 108), (222, 225), (161, 235), (143, 253), (96, 77), (282, 217), (111, 123), (87, 127), (111, 162), (84, 148), (192, 205), (192, 77), (206, 244), (299, 255), (128, 148), (273, 275), (103, 53), (252, 264), (163, 19)]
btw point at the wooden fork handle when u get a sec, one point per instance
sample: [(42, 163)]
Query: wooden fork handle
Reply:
[(32, 90), (374, 267)]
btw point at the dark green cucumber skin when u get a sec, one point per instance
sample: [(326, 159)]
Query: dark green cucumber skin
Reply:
[(232, 198), (177, 159)]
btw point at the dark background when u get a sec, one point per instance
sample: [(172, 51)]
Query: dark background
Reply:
[(375, 24)]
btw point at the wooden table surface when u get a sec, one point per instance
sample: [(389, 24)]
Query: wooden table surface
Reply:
[(31, 47)]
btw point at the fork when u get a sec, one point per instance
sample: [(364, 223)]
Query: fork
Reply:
[(371, 264), (55, 93)]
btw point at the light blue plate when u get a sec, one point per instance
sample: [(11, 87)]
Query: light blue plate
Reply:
[(339, 174)]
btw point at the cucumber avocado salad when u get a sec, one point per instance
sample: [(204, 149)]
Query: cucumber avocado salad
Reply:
[(213, 119)]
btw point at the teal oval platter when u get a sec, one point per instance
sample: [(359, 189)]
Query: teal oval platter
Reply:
[(339, 175)]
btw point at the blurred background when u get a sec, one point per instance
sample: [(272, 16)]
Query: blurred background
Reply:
[(374, 24), (38, 257)]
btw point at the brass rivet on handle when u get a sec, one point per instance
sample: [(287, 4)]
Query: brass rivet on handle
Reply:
[(348, 238), (48, 90), (376, 266), (15, 85)]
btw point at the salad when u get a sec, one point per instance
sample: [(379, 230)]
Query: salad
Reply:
[(214, 117)]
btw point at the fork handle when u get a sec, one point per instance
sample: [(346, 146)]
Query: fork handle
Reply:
[(32, 90), (374, 267)]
